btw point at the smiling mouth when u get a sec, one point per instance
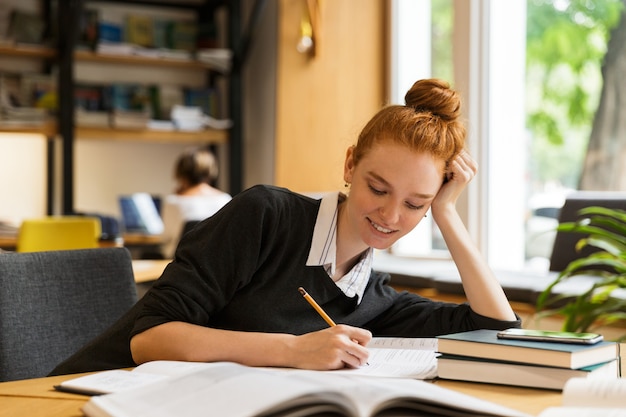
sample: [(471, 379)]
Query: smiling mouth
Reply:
[(380, 228)]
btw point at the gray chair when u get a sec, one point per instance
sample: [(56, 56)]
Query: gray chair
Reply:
[(52, 303)]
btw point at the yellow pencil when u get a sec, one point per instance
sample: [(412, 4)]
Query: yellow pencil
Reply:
[(320, 310), (316, 306)]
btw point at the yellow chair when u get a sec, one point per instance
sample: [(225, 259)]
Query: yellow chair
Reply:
[(58, 233)]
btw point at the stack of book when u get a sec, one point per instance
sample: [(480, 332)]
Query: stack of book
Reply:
[(479, 356)]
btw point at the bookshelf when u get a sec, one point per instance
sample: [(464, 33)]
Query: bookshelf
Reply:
[(64, 56)]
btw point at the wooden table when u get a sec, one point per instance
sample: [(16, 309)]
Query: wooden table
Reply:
[(146, 270), (37, 397)]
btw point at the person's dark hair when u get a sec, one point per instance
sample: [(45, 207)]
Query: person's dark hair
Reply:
[(196, 166), (428, 122)]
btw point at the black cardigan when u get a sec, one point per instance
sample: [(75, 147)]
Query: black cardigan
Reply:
[(240, 270)]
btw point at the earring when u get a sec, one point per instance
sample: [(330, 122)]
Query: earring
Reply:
[(346, 185)]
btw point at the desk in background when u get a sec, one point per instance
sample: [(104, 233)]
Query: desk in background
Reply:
[(37, 397), (148, 270), (130, 241), (8, 242)]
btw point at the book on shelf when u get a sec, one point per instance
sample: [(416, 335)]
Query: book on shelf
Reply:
[(97, 119), (26, 27), (130, 119), (205, 98), (486, 345), (182, 35), (110, 32), (130, 106), (92, 97), (115, 48), (39, 90), (218, 58), (92, 104), (163, 98), (591, 397), (237, 390), (129, 96), (88, 28), (160, 33), (139, 30), (465, 368), (174, 54)]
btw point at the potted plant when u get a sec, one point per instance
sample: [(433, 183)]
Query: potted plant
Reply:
[(605, 230)]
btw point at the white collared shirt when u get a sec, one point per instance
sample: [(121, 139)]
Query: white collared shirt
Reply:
[(324, 249)]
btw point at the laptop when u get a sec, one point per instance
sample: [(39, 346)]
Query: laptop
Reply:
[(140, 214)]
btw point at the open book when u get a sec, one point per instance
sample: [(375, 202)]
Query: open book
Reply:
[(591, 397), (389, 357), (400, 357), (224, 388)]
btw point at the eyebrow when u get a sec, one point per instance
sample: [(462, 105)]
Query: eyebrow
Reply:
[(385, 182)]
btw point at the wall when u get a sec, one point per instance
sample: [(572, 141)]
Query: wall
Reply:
[(302, 113), (324, 101), (23, 176), (22, 156), (259, 110)]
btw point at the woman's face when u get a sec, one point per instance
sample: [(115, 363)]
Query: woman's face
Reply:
[(392, 189)]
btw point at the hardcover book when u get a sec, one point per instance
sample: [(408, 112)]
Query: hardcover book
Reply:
[(465, 368), (486, 345)]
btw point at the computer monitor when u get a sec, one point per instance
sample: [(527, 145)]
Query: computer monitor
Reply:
[(564, 249)]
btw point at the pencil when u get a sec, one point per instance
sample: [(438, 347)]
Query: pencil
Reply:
[(316, 306), (320, 311)]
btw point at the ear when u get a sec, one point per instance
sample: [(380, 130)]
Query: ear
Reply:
[(348, 167)]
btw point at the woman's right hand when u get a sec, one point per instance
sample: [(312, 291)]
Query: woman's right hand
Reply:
[(336, 347)]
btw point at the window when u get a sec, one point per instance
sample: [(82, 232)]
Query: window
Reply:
[(529, 107)]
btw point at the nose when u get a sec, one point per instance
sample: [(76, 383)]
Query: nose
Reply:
[(389, 212)]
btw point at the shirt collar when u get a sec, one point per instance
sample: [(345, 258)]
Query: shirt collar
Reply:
[(324, 248)]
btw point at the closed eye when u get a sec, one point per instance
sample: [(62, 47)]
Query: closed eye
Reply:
[(376, 191), (414, 207)]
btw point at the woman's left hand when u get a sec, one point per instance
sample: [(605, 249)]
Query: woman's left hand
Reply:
[(460, 172)]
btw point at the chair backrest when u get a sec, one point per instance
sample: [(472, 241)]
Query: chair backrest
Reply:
[(58, 233), (564, 248), (52, 303)]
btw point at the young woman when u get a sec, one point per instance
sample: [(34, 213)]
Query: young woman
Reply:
[(195, 198), (231, 293)]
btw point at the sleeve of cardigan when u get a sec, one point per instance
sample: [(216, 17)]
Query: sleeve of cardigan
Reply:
[(412, 315), (208, 267)]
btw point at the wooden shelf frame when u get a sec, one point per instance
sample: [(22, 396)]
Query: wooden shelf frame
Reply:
[(27, 50), (50, 130), (211, 136)]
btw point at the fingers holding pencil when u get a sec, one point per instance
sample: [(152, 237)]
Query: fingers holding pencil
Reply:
[(357, 338)]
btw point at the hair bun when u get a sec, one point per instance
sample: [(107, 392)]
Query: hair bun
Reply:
[(434, 96)]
